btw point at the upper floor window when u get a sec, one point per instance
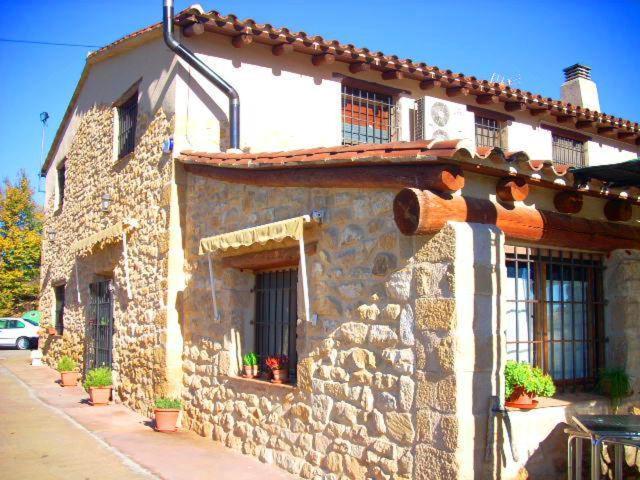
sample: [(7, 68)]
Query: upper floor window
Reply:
[(554, 316), (59, 312), (489, 132), (568, 151), (61, 174), (368, 116), (127, 116)]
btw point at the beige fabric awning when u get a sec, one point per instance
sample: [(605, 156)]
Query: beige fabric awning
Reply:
[(248, 238), (103, 237)]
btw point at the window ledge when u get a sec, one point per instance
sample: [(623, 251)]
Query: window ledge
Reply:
[(123, 159), (570, 400), (262, 385)]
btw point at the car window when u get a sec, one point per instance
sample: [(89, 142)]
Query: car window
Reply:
[(3, 324), (11, 324), (19, 324), (32, 322)]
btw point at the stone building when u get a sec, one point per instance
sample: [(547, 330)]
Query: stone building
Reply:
[(413, 231)]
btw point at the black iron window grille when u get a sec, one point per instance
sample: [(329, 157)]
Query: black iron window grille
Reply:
[(276, 316), (100, 325), (488, 132), (568, 151), (59, 319), (62, 171), (368, 117), (555, 313), (127, 117)]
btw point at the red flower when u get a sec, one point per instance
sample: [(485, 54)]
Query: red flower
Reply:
[(277, 362)]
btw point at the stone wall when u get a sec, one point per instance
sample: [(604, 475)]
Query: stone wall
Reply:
[(139, 186)]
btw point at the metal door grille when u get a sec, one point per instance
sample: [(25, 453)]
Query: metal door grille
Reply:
[(277, 315), (59, 292), (368, 117), (100, 325), (568, 151), (555, 312), (488, 132), (127, 116)]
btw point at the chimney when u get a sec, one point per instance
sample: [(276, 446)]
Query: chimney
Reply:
[(578, 88)]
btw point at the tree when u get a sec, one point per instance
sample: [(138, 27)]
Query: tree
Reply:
[(20, 244)]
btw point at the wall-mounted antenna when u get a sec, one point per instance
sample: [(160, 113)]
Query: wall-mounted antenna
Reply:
[(44, 116)]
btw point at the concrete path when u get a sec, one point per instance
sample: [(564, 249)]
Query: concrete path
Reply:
[(50, 432)]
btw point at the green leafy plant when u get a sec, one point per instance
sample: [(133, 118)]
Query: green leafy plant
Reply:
[(532, 379), (98, 377), (250, 359), (615, 383), (67, 364), (166, 402)]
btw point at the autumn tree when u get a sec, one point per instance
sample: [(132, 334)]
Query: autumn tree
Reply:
[(20, 240)]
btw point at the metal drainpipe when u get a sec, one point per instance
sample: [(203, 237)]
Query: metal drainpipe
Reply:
[(189, 57)]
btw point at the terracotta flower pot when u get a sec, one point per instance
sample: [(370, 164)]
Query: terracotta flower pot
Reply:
[(166, 419), (250, 371), (51, 330), (280, 375), (69, 379), (520, 398), (99, 395)]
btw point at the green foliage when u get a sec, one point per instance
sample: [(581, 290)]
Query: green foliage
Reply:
[(67, 364), (614, 383), (20, 241), (532, 379), (164, 402), (98, 377), (250, 359)]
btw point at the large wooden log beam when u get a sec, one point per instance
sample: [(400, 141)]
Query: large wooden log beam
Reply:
[(568, 202), (617, 210), (422, 212), (443, 178), (512, 189)]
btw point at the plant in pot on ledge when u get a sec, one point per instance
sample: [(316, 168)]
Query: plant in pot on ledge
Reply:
[(279, 365), (68, 374), (99, 384), (250, 365), (166, 412), (523, 383)]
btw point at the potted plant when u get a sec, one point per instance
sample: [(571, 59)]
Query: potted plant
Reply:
[(166, 412), (279, 365), (523, 383), (250, 365), (68, 374), (99, 384), (614, 383), (52, 330)]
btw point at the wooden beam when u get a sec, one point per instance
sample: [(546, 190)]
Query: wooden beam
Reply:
[(282, 49), (625, 134), (512, 189), (429, 83), (638, 141), (487, 99), (444, 178), (563, 118), (241, 40), (515, 106), (422, 212), (568, 202), (323, 59), (359, 67), (276, 258), (617, 210), (392, 75), (539, 112), (608, 130), (193, 29), (584, 123), (457, 91)]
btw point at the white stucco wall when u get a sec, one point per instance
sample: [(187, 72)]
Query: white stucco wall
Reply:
[(529, 138)]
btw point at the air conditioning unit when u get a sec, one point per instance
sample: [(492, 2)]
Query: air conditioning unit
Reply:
[(437, 119)]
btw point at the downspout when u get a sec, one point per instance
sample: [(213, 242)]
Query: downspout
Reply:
[(189, 57)]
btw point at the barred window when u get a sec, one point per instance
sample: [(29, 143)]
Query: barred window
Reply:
[(488, 132), (61, 183), (127, 117), (368, 117), (568, 151), (59, 294), (555, 312), (276, 316)]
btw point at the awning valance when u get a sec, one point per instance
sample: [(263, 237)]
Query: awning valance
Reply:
[(111, 234), (247, 238)]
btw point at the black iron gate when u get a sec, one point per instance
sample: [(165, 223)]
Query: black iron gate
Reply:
[(100, 325)]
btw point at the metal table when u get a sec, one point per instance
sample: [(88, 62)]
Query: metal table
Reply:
[(619, 430)]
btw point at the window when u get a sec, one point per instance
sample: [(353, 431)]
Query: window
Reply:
[(59, 318), (488, 132), (127, 116), (554, 312), (14, 324), (62, 170), (367, 116), (568, 151), (277, 315)]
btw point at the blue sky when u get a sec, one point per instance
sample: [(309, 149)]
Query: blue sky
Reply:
[(529, 41)]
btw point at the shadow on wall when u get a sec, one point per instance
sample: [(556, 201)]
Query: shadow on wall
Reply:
[(549, 460)]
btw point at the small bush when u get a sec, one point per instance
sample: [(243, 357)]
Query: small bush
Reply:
[(67, 364), (164, 402), (98, 377), (250, 359), (614, 383), (532, 379)]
